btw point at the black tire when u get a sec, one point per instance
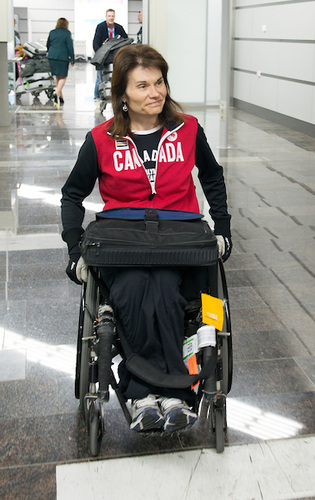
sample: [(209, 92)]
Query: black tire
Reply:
[(84, 375), (79, 344), (95, 431), (102, 106), (219, 429), (227, 350), (225, 353), (88, 320), (50, 93)]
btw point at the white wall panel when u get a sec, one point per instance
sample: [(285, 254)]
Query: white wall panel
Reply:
[(293, 60), (266, 49), (158, 26), (281, 21), (265, 57), (187, 60), (242, 86), (288, 21), (51, 15), (295, 100), (6, 21), (133, 18), (264, 92), (242, 3), (134, 5), (243, 58), (213, 52), (288, 98), (46, 26), (297, 61), (243, 23), (258, 91), (169, 33), (40, 5)]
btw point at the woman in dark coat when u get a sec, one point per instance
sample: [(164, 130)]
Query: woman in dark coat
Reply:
[(60, 53)]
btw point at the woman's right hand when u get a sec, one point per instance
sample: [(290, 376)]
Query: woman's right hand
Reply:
[(76, 268), (81, 270), (71, 269)]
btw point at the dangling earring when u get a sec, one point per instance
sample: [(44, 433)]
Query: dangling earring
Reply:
[(125, 107)]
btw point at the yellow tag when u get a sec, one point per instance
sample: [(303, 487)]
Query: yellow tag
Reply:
[(212, 311)]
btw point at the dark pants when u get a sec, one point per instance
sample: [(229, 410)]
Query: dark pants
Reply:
[(151, 310)]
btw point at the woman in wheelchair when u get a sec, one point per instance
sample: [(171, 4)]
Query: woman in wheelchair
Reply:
[(144, 157)]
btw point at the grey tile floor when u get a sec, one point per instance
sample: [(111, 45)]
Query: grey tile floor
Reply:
[(270, 176)]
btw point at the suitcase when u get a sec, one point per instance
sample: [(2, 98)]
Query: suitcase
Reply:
[(34, 49)]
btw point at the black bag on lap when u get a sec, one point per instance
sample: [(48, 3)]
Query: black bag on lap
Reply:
[(148, 237)]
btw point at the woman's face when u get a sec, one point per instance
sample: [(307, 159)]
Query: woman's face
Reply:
[(145, 93)]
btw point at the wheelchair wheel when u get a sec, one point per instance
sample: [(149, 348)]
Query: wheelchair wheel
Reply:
[(227, 352), (226, 376), (79, 345), (90, 309), (95, 430)]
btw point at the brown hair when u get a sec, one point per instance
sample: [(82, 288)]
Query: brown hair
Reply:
[(126, 59), (62, 23)]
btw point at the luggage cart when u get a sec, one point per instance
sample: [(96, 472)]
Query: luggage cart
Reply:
[(103, 60), (34, 75)]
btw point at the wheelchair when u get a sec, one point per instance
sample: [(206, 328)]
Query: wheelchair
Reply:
[(101, 338)]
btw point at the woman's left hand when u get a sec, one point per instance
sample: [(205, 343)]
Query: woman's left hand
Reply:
[(225, 247)]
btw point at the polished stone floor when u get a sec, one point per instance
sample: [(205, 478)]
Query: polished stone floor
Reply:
[(270, 176)]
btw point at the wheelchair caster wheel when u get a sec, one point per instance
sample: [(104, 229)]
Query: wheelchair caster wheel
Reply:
[(219, 429), (217, 413), (95, 428)]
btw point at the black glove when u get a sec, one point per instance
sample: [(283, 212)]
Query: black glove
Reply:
[(225, 247), (74, 256)]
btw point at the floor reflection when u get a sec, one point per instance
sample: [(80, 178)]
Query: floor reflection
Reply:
[(269, 175)]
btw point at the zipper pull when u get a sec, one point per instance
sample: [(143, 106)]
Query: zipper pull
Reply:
[(152, 195)]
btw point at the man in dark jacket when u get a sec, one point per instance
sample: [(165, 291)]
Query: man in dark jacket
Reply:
[(104, 30)]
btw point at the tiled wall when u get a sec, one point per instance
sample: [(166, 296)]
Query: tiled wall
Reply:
[(274, 63)]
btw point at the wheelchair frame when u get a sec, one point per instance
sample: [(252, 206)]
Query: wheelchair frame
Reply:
[(212, 390)]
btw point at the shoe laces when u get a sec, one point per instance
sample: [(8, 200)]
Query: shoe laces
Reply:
[(149, 400), (167, 403)]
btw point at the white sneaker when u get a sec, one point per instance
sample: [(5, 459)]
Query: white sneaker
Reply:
[(177, 414), (146, 414)]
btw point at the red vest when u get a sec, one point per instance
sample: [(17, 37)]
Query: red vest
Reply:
[(123, 180)]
